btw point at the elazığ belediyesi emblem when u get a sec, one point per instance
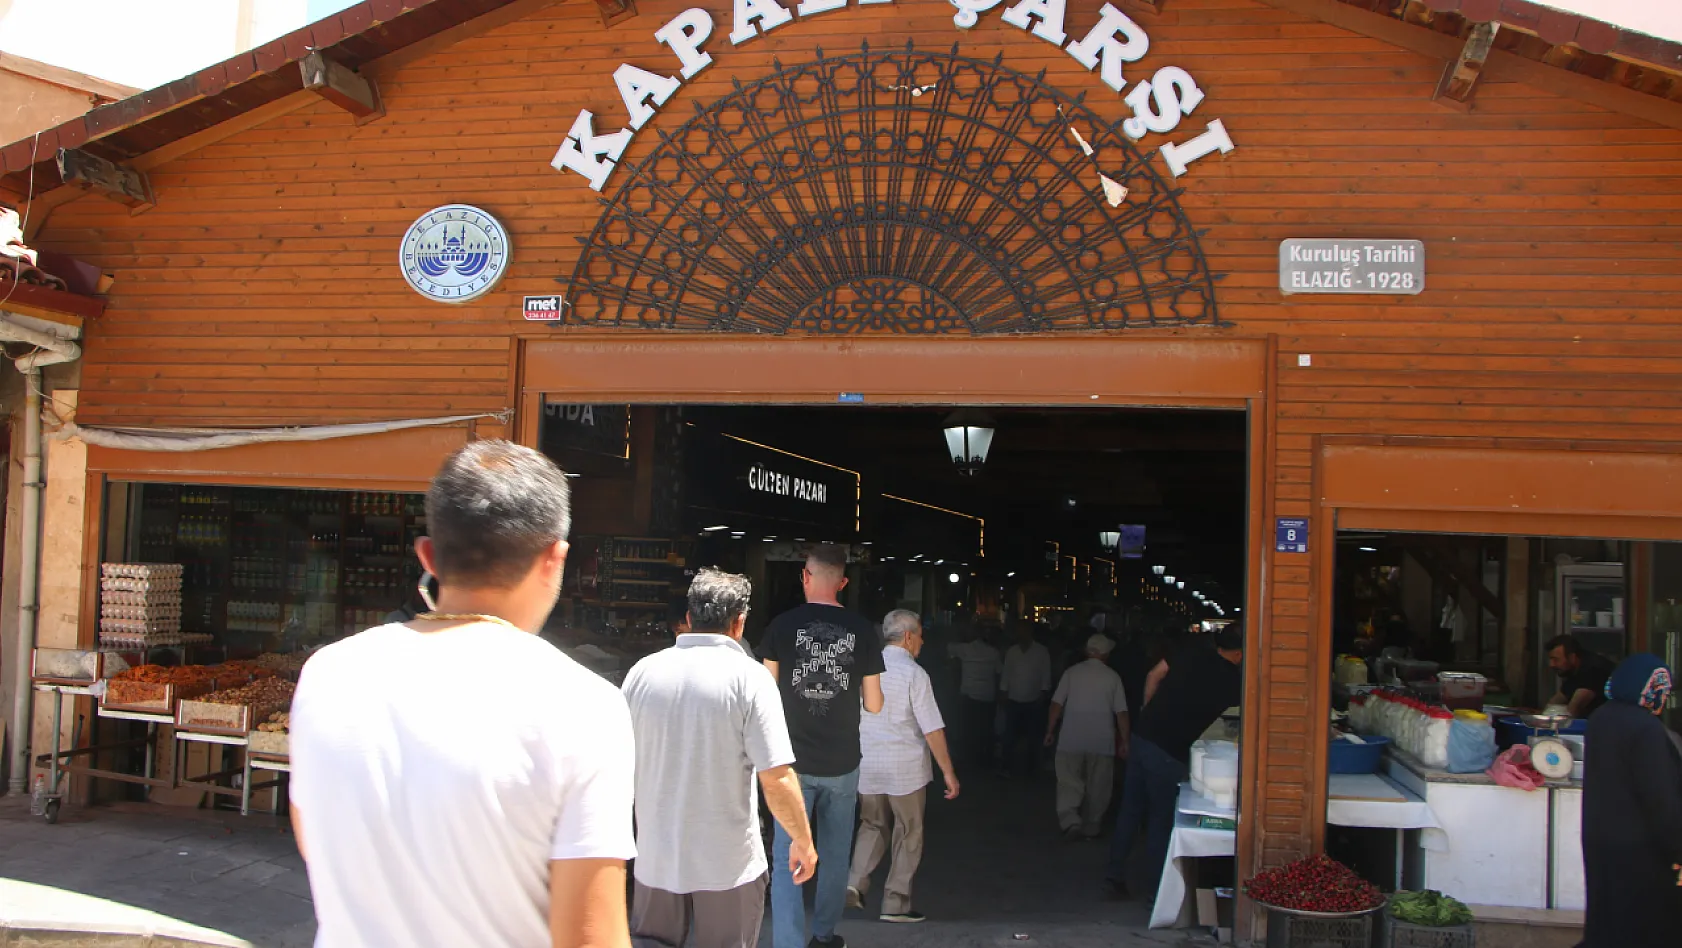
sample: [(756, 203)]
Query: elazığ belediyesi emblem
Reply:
[(454, 253)]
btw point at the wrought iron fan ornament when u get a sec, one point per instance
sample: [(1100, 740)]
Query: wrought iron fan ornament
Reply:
[(892, 191)]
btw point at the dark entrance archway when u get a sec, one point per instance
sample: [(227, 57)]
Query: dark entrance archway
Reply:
[(893, 191)]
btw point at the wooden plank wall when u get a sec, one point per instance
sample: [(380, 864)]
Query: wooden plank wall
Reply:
[(263, 287)]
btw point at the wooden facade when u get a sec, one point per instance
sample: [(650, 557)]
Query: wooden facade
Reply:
[(262, 287)]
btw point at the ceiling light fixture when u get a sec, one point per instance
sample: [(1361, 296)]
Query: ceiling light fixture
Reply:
[(1159, 570), (952, 578), (715, 529), (969, 436), (1109, 539), (1369, 549)]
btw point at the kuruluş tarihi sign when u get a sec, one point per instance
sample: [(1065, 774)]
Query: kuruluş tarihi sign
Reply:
[(1394, 267)]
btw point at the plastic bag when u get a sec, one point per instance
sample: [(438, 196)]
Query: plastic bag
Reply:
[(1471, 747), (1513, 769)]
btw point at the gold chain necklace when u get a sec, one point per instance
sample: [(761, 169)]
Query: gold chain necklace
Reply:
[(467, 617)]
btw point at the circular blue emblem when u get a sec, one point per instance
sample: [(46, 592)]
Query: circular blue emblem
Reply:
[(454, 253)]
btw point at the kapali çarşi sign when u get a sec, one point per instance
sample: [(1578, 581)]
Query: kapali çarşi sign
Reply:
[(1158, 103)]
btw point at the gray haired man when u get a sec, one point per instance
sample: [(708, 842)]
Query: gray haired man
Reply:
[(707, 717), (894, 773)]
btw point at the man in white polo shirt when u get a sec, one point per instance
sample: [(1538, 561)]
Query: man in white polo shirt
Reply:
[(708, 717), (894, 773)]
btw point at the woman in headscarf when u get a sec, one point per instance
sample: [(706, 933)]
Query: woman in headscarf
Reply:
[(1632, 814)]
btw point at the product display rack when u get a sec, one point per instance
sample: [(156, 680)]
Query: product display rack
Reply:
[(640, 572), (277, 567)]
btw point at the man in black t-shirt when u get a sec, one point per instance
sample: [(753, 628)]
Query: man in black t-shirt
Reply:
[(1582, 675), (1184, 694), (825, 659)]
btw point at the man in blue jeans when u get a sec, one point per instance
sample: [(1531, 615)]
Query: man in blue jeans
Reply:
[(825, 658), (1184, 694)]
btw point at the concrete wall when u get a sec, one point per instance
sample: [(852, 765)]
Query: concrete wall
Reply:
[(28, 105), (62, 510)]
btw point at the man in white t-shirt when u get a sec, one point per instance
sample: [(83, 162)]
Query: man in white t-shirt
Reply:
[(1092, 705), (1024, 682), (456, 780), (708, 718), (978, 686)]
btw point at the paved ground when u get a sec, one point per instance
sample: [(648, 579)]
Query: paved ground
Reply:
[(995, 874), (240, 877)]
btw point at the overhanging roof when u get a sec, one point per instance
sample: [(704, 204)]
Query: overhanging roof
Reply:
[(141, 123), (359, 35)]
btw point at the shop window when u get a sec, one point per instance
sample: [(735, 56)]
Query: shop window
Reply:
[(264, 569)]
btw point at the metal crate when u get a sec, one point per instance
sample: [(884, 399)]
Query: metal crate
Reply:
[(1400, 934), (1317, 931)]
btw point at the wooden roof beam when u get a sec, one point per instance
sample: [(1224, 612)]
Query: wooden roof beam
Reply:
[(342, 86), (120, 183), (1501, 65), (616, 11), (1460, 79)]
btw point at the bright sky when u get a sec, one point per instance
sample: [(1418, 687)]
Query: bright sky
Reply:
[(1661, 18), (145, 43)]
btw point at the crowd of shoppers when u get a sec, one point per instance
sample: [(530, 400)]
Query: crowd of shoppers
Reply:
[(436, 804)]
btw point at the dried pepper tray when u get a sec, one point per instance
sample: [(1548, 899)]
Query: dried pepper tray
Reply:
[(149, 697)]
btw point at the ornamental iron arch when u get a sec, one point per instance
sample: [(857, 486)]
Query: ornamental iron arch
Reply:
[(892, 191)]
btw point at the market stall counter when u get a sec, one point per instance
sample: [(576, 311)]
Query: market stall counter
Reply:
[(1355, 800), (1495, 845)]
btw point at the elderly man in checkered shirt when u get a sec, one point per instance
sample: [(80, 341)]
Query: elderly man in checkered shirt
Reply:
[(895, 773)]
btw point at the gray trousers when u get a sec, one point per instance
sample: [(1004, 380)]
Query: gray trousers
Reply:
[(1084, 784), (872, 844), (727, 919)]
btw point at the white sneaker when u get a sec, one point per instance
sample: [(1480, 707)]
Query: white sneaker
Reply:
[(855, 898)]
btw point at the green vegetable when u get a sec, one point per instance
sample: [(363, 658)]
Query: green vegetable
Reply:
[(1430, 908)]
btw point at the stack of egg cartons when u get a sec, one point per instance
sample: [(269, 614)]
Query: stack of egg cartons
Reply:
[(139, 605)]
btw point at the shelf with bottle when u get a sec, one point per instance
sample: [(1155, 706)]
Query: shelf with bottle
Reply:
[(255, 617), (638, 550), (190, 497), (384, 504)]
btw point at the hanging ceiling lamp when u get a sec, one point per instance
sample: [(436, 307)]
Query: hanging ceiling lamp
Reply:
[(1109, 539), (969, 435)]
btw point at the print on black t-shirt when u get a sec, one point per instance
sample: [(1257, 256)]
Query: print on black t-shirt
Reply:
[(822, 654), (824, 670)]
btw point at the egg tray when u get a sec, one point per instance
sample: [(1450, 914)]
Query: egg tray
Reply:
[(146, 571), (130, 597)]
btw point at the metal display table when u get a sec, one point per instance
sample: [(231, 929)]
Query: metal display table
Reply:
[(277, 765)]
